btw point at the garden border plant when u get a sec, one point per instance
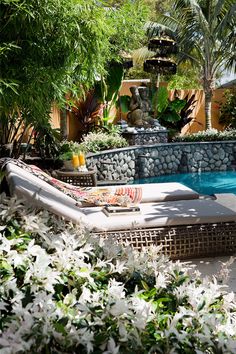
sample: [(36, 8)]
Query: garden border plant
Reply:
[(63, 290), (208, 135), (95, 142)]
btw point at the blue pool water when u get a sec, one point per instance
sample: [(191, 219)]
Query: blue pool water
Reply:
[(203, 183)]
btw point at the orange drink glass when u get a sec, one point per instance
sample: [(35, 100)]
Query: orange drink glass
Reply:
[(81, 159), (75, 161)]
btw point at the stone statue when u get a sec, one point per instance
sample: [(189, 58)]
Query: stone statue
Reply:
[(135, 116), (140, 108)]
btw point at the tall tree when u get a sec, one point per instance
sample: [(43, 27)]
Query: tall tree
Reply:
[(127, 21), (47, 48), (205, 31)]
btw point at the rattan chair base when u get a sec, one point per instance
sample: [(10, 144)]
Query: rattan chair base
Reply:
[(81, 179), (182, 242)]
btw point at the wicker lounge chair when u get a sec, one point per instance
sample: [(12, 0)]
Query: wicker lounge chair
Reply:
[(185, 227)]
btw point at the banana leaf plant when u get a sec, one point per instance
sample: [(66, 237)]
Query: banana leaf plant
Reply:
[(173, 114), (123, 103), (108, 90)]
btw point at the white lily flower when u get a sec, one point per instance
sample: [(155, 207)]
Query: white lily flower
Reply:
[(112, 348), (119, 308), (161, 281), (116, 289)]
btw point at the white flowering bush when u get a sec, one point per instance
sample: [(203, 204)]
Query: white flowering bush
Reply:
[(208, 135), (98, 141), (64, 291)]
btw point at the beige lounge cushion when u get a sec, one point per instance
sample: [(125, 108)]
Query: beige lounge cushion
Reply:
[(184, 212), (155, 192)]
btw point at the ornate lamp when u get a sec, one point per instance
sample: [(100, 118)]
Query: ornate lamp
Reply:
[(163, 45), (160, 63)]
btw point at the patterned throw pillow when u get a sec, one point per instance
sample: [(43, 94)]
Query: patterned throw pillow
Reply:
[(125, 196)]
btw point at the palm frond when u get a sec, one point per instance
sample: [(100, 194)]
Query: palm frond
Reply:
[(228, 18), (158, 29), (141, 54)]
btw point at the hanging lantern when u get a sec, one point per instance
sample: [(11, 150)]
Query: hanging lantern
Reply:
[(160, 63), (160, 66), (163, 45)]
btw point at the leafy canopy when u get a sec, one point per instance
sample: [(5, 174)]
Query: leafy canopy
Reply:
[(48, 48), (128, 24), (205, 32)]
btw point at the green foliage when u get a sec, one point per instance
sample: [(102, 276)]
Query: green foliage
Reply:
[(46, 140), (69, 147), (205, 33), (54, 47), (174, 114), (187, 77), (111, 129), (161, 99), (124, 102), (66, 156), (127, 22), (94, 142), (137, 72), (108, 89), (208, 135), (184, 82), (70, 291), (49, 47), (113, 81), (228, 109)]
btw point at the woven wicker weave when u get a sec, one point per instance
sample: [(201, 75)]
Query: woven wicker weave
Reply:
[(182, 242), (84, 179)]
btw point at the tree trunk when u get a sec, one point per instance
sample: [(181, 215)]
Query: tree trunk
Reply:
[(208, 98), (63, 124)]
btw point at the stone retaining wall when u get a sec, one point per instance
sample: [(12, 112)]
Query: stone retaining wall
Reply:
[(154, 160), (146, 137)]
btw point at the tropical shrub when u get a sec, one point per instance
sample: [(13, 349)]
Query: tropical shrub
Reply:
[(46, 140), (108, 91), (66, 156), (88, 112), (97, 141), (173, 114), (45, 53), (65, 291), (208, 135), (228, 109), (66, 146), (204, 32)]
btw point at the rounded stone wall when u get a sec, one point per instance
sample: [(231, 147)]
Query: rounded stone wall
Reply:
[(159, 159)]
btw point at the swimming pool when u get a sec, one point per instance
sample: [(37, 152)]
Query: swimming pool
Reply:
[(203, 183)]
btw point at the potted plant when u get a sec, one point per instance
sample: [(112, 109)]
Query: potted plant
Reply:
[(66, 157)]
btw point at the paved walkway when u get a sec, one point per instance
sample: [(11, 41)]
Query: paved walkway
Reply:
[(215, 266)]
